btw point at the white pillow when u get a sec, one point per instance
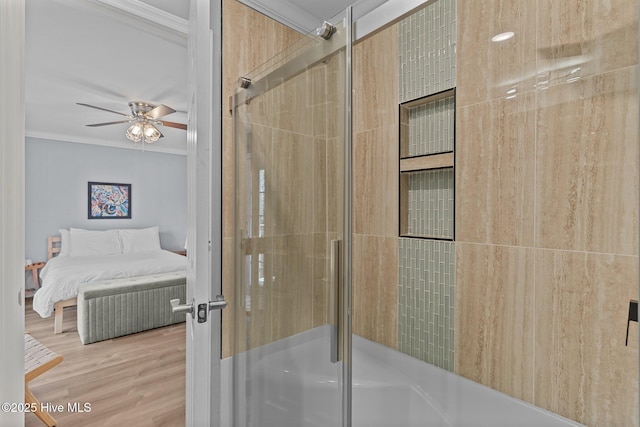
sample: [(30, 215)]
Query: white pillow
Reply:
[(89, 242), (65, 243), (140, 240)]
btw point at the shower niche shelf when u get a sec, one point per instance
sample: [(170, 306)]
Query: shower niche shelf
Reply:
[(427, 160)]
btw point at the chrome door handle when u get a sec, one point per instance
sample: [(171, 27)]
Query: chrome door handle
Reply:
[(218, 304), (204, 309), (176, 307)]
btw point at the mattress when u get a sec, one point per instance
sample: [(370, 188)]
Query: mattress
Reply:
[(62, 276)]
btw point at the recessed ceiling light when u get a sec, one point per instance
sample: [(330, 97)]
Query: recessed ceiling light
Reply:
[(502, 36)]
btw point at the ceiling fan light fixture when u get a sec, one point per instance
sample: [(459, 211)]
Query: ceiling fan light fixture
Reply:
[(144, 119), (151, 133), (135, 132), (142, 130)]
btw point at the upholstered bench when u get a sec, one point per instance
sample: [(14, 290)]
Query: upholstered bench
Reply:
[(113, 308)]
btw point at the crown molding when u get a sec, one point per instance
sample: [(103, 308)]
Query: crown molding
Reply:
[(286, 13), (126, 145), (149, 13)]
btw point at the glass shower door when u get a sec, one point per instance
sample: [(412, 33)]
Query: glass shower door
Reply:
[(290, 359)]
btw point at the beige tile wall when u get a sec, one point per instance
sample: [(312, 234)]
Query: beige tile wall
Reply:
[(300, 205), (547, 204), (375, 289), (547, 185), (495, 171), (375, 205), (495, 317), (487, 70), (591, 201), (293, 132), (583, 369), (245, 47)]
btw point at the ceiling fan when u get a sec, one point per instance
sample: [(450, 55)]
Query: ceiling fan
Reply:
[(144, 118)]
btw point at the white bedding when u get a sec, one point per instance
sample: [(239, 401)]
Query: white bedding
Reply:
[(61, 276)]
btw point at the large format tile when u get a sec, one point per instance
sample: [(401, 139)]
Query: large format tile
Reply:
[(585, 38), (376, 170), (375, 289), (328, 184), (489, 70), (583, 369), (245, 46), (375, 81), (495, 171), (494, 322), (587, 165), (289, 184), (290, 286)]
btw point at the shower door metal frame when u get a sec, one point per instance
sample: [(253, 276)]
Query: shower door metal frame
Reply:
[(342, 38), (290, 69)]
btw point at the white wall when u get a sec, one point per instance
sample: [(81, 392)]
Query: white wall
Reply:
[(57, 174)]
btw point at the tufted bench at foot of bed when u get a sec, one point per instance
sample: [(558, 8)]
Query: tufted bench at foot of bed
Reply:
[(113, 308)]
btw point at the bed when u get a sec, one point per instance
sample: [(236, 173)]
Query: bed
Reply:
[(102, 261)]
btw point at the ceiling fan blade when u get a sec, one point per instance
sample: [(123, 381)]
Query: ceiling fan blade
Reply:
[(109, 123), (103, 109), (174, 125), (159, 111)]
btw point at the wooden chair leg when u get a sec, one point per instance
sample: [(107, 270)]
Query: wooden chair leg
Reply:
[(44, 416), (38, 359)]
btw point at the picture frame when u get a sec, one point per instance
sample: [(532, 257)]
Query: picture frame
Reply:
[(108, 200)]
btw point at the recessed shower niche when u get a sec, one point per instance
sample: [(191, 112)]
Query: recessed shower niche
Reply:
[(427, 143)]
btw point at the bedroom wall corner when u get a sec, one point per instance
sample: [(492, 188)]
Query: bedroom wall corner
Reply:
[(57, 173)]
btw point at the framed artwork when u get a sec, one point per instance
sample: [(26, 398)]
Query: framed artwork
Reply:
[(109, 200)]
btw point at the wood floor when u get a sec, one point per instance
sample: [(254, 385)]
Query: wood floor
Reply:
[(137, 380)]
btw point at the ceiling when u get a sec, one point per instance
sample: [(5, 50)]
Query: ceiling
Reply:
[(94, 53), (109, 52)]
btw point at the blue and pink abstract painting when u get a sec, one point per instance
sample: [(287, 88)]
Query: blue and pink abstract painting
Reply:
[(108, 200)]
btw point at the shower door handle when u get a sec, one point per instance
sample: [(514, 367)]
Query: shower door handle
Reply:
[(336, 300)]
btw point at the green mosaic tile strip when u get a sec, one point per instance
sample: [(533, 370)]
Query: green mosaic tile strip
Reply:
[(426, 42), (431, 127), (431, 203), (426, 280)]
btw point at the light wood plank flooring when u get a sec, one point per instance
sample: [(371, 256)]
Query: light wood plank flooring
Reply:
[(137, 380)]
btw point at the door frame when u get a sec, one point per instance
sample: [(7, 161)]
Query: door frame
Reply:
[(12, 222), (204, 258), (204, 214)]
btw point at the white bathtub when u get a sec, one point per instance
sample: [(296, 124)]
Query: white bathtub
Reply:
[(293, 384)]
